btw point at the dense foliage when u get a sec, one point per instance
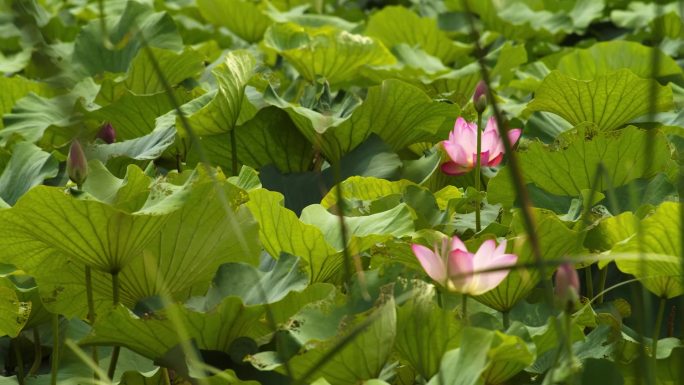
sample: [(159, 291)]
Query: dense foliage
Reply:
[(248, 192)]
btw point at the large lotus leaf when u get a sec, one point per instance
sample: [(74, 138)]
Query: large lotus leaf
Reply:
[(29, 166), (92, 232), (270, 138), (654, 254), (608, 100), (128, 194), (361, 231), (33, 114), (465, 365), (398, 25), (508, 356), (398, 112), (221, 113), (147, 147), (425, 332), (156, 334), (255, 286), (572, 169), (193, 243), (142, 78), (638, 14), (335, 54), (125, 35), (13, 313), (133, 116), (606, 57), (281, 231), (360, 359), (15, 88), (364, 189), (226, 377), (555, 241), (244, 18)]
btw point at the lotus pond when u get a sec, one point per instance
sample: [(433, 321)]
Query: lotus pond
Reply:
[(338, 192)]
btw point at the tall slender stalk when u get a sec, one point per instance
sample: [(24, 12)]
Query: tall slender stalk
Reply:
[(116, 349), (233, 152), (91, 311), (656, 328), (478, 170), (603, 276), (506, 315), (588, 277), (464, 308), (54, 357), (37, 353), (20, 360)]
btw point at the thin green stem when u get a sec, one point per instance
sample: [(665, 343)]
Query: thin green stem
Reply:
[(568, 332), (506, 319), (54, 357), (656, 328), (37, 353), (233, 151), (165, 376), (91, 311), (478, 170), (20, 361), (589, 281), (116, 349), (464, 308), (603, 276)]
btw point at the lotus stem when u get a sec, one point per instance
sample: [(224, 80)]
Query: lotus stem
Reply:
[(603, 275), (464, 308), (233, 151), (478, 167), (588, 277), (506, 319), (54, 357), (20, 360), (37, 352), (116, 349), (656, 328), (91, 311)]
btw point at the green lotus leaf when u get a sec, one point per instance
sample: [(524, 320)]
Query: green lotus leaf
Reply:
[(364, 189), (425, 332), (401, 114), (244, 18), (156, 334), (361, 231), (270, 138), (654, 255), (508, 356), (361, 359), (555, 241), (465, 365), (47, 219), (133, 116), (607, 57), (281, 231), (608, 101), (15, 88), (125, 39), (143, 79), (29, 166), (221, 113), (325, 51), (147, 147), (573, 168), (396, 25), (13, 313)]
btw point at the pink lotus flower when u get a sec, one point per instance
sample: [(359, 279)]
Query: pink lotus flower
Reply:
[(452, 266), (567, 283), (462, 146)]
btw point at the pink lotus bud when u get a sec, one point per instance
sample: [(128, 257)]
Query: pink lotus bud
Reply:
[(480, 97), (107, 133), (77, 164), (462, 146), (567, 283)]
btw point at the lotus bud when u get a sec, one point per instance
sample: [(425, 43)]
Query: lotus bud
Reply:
[(77, 164), (480, 97), (107, 133), (567, 283)]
